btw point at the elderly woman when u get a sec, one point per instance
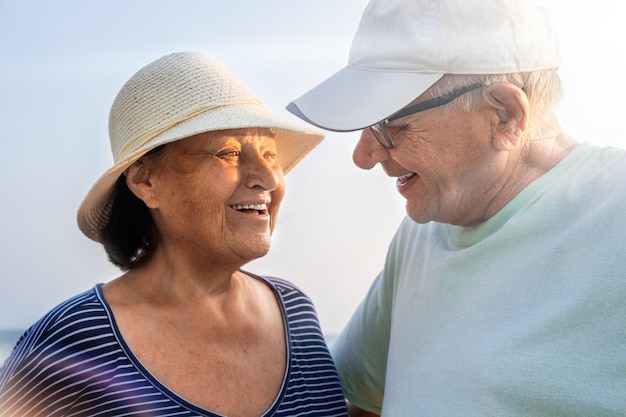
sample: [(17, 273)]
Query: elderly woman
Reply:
[(193, 196)]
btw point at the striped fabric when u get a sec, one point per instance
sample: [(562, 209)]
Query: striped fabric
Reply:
[(73, 362)]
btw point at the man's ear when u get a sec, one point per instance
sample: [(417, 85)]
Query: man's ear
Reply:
[(140, 182), (512, 110)]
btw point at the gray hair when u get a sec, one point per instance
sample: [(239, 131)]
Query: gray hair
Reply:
[(543, 89)]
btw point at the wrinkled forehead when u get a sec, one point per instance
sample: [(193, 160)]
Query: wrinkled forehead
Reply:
[(243, 132), (218, 137)]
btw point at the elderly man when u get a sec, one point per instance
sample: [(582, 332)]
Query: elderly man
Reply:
[(503, 292)]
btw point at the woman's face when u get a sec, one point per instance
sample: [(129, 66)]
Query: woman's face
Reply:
[(218, 194)]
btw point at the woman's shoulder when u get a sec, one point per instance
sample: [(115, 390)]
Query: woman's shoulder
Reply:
[(80, 312), (292, 297), (278, 284), (282, 283)]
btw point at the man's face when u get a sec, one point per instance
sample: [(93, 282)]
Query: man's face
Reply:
[(445, 164)]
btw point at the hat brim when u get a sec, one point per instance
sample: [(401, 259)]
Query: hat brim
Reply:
[(356, 98), (292, 143)]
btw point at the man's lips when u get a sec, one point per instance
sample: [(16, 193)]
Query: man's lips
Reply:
[(403, 179)]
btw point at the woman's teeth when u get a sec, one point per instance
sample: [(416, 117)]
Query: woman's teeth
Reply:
[(250, 206)]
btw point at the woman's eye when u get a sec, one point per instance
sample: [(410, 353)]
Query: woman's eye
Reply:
[(228, 154)]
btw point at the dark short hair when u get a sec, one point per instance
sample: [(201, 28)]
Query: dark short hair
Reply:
[(129, 236)]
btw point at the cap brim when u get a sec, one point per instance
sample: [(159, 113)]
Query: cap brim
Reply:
[(356, 98)]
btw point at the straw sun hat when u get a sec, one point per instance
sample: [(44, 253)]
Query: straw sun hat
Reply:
[(174, 97)]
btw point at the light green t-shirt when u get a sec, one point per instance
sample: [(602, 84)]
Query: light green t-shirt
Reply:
[(523, 315)]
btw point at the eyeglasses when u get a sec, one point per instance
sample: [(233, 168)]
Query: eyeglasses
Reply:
[(379, 131)]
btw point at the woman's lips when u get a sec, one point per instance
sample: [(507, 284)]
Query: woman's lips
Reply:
[(260, 209)]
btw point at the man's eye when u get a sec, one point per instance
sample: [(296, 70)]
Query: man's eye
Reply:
[(395, 128)]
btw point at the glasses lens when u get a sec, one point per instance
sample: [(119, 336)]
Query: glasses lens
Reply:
[(381, 136)]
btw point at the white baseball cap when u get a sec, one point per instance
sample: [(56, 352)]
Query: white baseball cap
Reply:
[(402, 47)]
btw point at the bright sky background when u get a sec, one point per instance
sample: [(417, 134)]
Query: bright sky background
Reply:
[(63, 62)]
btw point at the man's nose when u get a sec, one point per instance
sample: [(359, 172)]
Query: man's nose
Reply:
[(368, 152)]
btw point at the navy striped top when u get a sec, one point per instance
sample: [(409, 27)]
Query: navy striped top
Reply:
[(74, 362)]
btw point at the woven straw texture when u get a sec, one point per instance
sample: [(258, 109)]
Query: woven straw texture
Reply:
[(174, 97)]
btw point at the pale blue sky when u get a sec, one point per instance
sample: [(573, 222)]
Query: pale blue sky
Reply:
[(63, 62)]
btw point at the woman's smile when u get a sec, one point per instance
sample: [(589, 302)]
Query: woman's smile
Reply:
[(258, 209)]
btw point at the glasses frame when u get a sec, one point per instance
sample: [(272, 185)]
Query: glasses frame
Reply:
[(381, 134)]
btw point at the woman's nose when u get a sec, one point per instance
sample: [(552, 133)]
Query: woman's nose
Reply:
[(263, 172), (368, 152)]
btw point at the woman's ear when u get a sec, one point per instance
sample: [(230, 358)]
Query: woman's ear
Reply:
[(512, 110), (139, 180)]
